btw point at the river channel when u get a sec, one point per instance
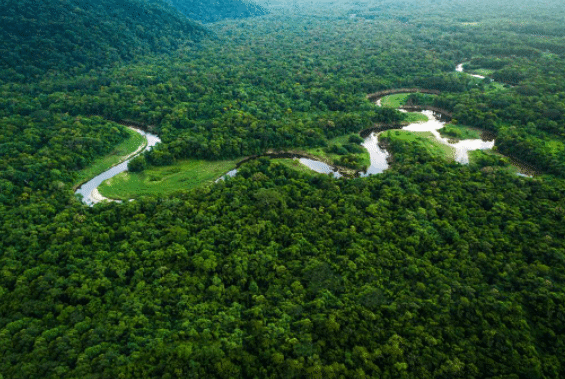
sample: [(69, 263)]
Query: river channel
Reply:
[(88, 190), (459, 68), (379, 156)]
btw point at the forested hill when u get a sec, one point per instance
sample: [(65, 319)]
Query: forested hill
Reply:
[(216, 10), (60, 34)]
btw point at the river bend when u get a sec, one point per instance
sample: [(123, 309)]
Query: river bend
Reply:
[(379, 156), (89, 190)]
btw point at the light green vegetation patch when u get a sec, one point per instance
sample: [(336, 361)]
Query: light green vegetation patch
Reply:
[(475, 156), (481, 71), (363, 158), (554, 146), (394, 101), (416, 117), (296, 165), (425, 139), (459, 132), (495, 86), (163, 181), (490, 159), (400, 99), (131, 144), (549, 55)]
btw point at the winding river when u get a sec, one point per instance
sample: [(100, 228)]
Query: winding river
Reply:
[(312, 164), (89, 190), (461, 147), (379, 156), (459, 68)]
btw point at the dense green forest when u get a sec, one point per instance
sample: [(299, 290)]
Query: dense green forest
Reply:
[(217, 10), (431, 269), (54, 35)]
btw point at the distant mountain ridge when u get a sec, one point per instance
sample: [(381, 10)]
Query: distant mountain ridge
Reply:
[(60, 34), (217, 10)]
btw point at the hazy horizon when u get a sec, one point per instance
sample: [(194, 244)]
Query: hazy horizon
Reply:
[(553, 7)]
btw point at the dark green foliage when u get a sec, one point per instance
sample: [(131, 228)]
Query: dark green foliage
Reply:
[(495, 63), (509, 75), (424, 270), (137, 164), (58, 35), (420, 99), (217, 10), (355, 139), (337, 149), (40, 152), (345, 149), (429, 270), (488, 160), (528, 119), (351, 161)]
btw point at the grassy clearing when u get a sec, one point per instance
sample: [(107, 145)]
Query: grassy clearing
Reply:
[(416, 117), (476, 156), (363, 157), (459, 132), (296, 165), (342, 140), (116, 156), (400, 99), (495, 87), (553, 146), (424, 139), (482, 71), (394, 101), (492, 160), (490, 87), (162, 181)]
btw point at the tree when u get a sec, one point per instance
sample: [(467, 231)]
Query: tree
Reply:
[(137, 164)]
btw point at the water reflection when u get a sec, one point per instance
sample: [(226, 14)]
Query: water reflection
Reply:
[(229, 174), (462, 148), (88, 189), (379, 157), (320, 167), (459, 68)]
